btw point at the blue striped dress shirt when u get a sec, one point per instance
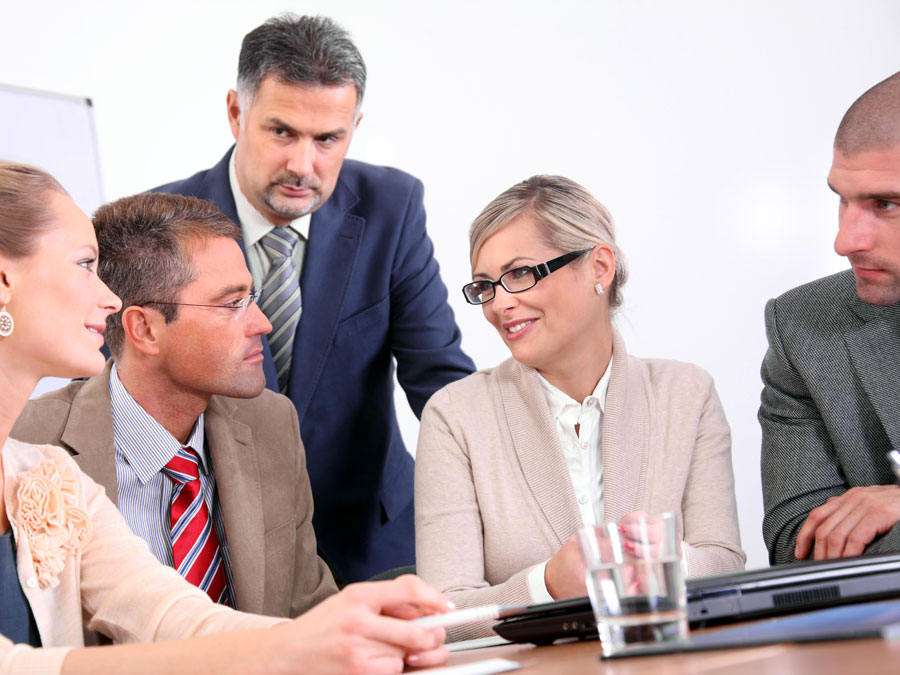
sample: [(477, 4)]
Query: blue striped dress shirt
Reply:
[(143, 448)]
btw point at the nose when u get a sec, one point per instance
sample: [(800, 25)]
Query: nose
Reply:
[(503, 299), (855, 234), (300, 161), (257, 323), (109, 301)]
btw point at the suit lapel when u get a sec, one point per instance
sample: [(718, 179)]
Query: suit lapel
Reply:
[(874, 349), (626, 436), (89, 432), (538, 449), (240, 498), (217, 187), (334, 240)]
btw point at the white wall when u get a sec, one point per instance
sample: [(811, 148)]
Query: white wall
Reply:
[(705, 126)]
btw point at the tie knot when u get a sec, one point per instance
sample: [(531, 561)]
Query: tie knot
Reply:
[(279, 242), (184, 466)]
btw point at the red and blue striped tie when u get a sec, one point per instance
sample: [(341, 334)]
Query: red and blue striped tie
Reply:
[(195, 546)]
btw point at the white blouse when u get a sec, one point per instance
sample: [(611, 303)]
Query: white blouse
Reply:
[(580, 430)]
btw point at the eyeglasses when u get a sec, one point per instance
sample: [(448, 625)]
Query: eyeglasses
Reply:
[(518, 279), (237, 306)]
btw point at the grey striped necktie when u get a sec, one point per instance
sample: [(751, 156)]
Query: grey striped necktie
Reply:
[(281, 302)]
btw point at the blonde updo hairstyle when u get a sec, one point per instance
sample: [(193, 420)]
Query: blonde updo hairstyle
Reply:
[(24, 207), (569, 219)]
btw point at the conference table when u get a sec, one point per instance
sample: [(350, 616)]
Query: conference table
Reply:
[(853, 657)]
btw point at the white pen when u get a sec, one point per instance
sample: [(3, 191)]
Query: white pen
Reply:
[(893, 458), (469, 615)]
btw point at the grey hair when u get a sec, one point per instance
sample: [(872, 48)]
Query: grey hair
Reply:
[(146, 244), (306, 50), (569, 219)]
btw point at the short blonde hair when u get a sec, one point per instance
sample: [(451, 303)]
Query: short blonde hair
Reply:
[(24, 209), (569, 217)]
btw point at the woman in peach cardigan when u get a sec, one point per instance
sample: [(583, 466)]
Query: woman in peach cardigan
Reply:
[(67, 553), (571, 430)]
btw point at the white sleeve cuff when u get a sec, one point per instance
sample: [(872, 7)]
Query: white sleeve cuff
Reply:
[(536, 585)]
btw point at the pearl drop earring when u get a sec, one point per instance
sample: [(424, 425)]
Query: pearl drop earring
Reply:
[(6, 322)]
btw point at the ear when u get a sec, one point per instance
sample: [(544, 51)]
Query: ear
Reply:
[(234, 113), (358, 120), (6, 283), (10, 273), (142, 327), (603, 265)]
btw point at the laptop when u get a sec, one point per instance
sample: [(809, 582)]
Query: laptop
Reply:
[(727, 598)]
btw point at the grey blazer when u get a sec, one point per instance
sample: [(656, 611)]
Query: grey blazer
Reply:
[(260, 473), (830, 404)]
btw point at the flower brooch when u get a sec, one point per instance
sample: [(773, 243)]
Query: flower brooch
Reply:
[(49, 518)]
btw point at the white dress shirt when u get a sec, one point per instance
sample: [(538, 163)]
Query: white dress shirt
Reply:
[(254, 226), (582, 452)]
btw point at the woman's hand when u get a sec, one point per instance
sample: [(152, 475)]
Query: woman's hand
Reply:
[(364, 629), (564, 573)]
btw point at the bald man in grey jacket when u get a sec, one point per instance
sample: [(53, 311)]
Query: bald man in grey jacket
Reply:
[(831, 403)]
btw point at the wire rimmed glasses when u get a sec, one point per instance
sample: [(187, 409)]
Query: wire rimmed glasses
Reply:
[(238, 306)]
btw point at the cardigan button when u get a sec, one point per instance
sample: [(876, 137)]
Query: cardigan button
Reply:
[(31, 582)]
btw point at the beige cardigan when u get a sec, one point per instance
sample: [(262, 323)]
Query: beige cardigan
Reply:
[(113, 582), (493, 492)]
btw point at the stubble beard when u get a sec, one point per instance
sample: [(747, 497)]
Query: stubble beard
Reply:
[(876, 294), (281, 204)]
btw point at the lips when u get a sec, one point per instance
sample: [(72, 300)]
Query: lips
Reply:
[(96, 329), (292, 191), (516, 328), (255, 354), (867, 272), (519, 326)]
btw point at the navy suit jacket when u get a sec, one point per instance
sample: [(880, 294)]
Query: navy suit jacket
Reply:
[(372, 293)]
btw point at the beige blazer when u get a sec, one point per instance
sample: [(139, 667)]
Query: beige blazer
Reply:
[(113, 583), (261, 476), (493, 493)]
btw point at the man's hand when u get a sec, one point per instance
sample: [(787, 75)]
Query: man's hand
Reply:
[(366, 629), (844, 525)]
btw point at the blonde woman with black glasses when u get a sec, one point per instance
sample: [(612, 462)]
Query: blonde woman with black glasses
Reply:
[(572, 429)]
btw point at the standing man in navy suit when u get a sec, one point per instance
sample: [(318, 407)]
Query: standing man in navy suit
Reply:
[(352, 235)]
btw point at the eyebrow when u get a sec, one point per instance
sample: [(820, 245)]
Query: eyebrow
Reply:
[(872, 196), (515, 262), (275, 121), (230, 290)]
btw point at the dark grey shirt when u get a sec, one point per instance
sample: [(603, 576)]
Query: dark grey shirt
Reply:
[(16, 620)]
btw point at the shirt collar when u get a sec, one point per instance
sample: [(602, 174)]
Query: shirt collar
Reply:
[(558, 399), (254, 225), (144, 442)]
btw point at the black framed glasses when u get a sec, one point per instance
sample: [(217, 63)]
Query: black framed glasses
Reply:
[(518, 279), (237, 306)]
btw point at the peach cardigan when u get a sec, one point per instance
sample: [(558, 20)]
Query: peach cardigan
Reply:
[(113, 582), (493, 492)]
